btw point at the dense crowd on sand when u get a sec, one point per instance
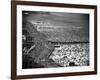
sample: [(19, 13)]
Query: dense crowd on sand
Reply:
[(72, 55), (36, 46)]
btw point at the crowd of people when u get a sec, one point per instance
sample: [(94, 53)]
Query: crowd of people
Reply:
[(72, 55)]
